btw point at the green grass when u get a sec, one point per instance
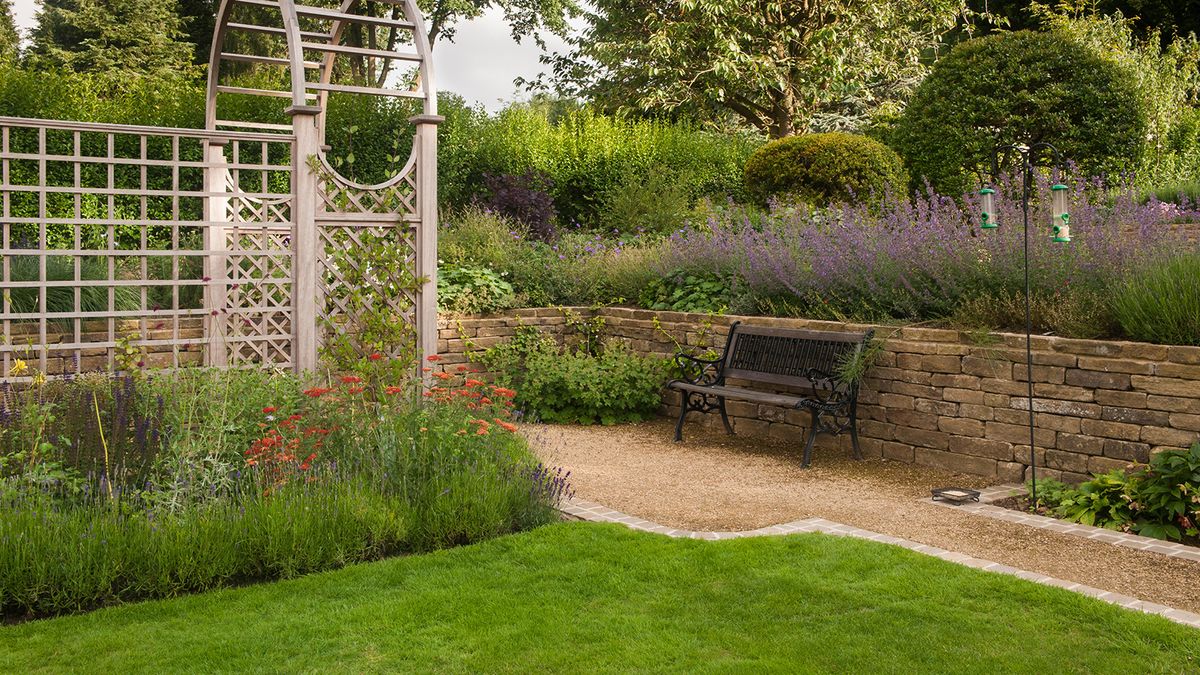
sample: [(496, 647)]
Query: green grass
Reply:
[(586, 597)]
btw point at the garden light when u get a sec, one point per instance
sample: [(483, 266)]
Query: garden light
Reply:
[(987, 209), (1061, 221)]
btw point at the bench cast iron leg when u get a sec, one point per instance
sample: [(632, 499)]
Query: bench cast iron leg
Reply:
[(808, 444), (685, 397), (854, 440), (725, 416)]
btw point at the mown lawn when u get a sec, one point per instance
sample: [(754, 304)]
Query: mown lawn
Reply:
[(586, 597)]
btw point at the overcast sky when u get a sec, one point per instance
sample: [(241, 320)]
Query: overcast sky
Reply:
[(480, 64)]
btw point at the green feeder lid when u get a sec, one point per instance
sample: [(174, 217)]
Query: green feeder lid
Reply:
[(1059, 186), (987, 191), (990, 225), (1061, 239)]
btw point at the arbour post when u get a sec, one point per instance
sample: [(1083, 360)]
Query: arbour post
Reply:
[(425, 140), (216, 210), (306, 290)]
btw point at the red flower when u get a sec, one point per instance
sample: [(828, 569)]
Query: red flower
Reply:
[(295, 418), (473, 383), (269, 409), (462, 369), (442, 376), (393, 390), (433, 358), (351, 379), (376, 356), (355, 390), (317, 392)]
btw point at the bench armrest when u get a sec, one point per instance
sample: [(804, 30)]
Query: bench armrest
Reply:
[(828, 390), (695, 370)]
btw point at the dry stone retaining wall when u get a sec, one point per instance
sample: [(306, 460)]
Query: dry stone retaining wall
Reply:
[(936, 397)]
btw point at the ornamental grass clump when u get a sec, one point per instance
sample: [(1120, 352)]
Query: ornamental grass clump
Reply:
[(198, 479)]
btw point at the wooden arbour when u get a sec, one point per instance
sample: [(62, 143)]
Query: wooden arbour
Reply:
[(232, 245)]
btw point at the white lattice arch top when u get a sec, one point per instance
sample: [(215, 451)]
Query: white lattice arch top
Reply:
[(314, 42)]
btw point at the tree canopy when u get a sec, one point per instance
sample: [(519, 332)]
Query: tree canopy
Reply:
[(10, 40), (113, 36), (783, 66)]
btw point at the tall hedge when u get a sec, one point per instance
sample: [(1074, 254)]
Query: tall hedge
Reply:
[(1025, 87), (823, 168)]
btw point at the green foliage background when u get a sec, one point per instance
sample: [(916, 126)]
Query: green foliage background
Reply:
[(1021, 87)]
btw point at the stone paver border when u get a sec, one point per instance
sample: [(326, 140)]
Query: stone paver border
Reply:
[(985, 508), (591, 511)]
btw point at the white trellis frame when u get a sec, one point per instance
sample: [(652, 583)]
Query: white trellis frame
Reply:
[(214, 245)]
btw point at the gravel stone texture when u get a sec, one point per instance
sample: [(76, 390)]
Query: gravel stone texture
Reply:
[(712, 481)]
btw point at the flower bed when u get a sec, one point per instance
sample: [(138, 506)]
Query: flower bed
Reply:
[(122, 488)]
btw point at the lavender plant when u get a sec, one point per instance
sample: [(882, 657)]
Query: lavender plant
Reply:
[(920, 258)]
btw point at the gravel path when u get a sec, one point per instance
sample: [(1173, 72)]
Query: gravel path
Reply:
[(718, 482)]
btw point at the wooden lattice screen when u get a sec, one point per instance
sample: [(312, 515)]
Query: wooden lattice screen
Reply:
[(107, 233)]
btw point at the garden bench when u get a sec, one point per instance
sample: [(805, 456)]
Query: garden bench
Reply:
[(777, 357)]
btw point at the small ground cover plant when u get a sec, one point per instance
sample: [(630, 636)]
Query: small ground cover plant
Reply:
[(123, 488), (590, 382), (1160, 499)]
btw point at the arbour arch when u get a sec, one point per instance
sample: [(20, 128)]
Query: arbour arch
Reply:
[(248, 210)]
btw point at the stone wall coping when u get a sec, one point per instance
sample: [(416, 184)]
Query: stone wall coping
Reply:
[(1111, 348)]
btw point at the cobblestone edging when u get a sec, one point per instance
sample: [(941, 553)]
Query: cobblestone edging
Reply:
[(590, 511), (985, 508)]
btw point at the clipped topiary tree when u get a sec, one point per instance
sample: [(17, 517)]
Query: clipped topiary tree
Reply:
[(823, 168), (1021, 87)]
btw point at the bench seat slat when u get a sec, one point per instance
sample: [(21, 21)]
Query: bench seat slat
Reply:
[(742, 394)]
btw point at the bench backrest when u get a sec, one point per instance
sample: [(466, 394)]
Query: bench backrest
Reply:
[(784, 355)]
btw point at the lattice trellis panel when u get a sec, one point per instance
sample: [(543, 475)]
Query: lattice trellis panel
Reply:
[(255, 318), (369, 261), (111, 232)]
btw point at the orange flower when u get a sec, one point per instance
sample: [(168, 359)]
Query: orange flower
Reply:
[(482, 431), (485, 400), (351, 379), (442, 376), (433, 358), (462, 369), (473, 383), (355, 390), (393, 390), (507, 426), (506, 393)]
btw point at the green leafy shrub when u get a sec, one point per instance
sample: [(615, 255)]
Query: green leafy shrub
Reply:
[(1166, 495), (1160, 500), (824, 168), (653, 203), (1102, 501), (1021, 87), (472, 290), (1160, 302), (586, 156), (590, 383), (684, 291)]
